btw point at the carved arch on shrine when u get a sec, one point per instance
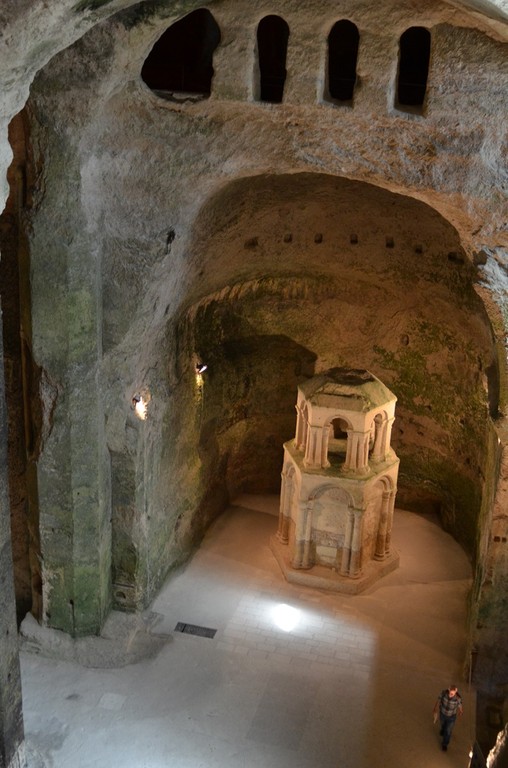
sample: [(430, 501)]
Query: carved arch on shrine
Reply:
[(384, 516), (316, 493), (343, 521), (333, 441)]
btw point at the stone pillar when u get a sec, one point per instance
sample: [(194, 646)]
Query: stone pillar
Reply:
[(11, 720), (325, 441), (73, 467), (357, 452), (313, 447), (346, 551), (233, 60), (389, 522), (379, 440), (300, 429), (307, 561), (388, 434), (365, 452), (286, 492), (356, 544), (301, 556), (349, 450), (383, 526), (304, 62)]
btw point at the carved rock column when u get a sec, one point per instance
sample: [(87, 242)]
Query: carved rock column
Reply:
[(286, 493), (301, 556), (300, 429), (357, 452), (11, 719), (381, 551), (356, 544), (313, 447), (346, 551)]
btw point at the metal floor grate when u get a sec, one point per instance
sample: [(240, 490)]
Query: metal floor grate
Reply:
[(193, 629)]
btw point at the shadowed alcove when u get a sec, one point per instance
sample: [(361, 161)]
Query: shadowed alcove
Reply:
[(181, 61), (270, 303)]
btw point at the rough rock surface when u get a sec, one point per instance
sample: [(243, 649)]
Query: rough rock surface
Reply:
[(269, 241), (274, 241), (125, 639)]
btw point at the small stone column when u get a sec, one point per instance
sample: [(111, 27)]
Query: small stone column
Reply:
[(301, 557), (383, 526), (388, 434), (356, 544), (313, 447), (286, 492), (300, 429), (325, 441), (346, 550), (357, 452), (378, 451), (389, 523), (307, 561)]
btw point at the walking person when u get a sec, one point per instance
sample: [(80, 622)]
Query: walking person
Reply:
[(448, 706)]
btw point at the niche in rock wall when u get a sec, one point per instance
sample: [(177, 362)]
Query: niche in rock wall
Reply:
[(272, 38), (414, 57), (343, 42), (246, 405), (181, 61)]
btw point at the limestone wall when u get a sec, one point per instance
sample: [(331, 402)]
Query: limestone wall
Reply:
[(11, 723), (258, 238), (270, 241)]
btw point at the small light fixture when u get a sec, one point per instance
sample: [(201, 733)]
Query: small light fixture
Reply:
[(139, 405), (201, 367)]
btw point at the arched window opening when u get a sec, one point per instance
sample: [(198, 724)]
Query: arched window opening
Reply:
[(343, 43), (414, 57), (337, 443), (181, 61), (273, 35)]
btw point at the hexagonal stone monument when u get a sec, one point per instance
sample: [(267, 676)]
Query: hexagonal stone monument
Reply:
[(339, 482)]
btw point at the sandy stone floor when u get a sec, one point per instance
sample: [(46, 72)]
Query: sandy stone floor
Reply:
[(293, 678)]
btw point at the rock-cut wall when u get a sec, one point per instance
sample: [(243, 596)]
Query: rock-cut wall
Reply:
[(270, 241)]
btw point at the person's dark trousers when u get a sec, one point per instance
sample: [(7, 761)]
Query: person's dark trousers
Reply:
[(447, 724)]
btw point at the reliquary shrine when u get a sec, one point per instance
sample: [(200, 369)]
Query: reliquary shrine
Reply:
[(339, 482)]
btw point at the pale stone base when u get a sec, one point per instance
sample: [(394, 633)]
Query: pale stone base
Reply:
[(320, 577)]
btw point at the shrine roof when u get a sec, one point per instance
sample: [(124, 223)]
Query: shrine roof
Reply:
[(346, 389)]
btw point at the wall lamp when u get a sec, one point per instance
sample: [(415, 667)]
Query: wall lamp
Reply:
[(139, 405)]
